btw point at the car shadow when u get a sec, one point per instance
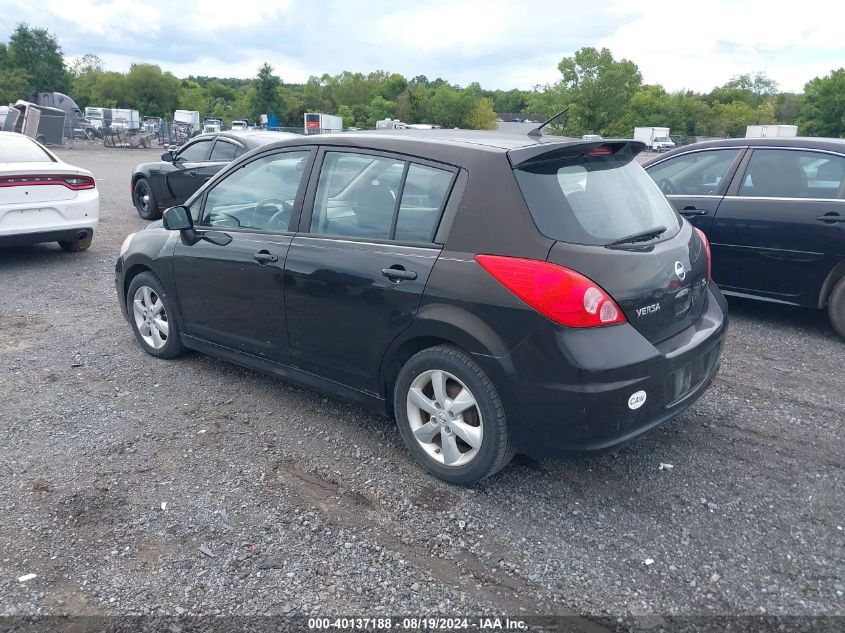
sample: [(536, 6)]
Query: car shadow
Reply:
[(776, 314)]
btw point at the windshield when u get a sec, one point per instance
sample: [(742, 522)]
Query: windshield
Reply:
[(20, 149), (594, 200)]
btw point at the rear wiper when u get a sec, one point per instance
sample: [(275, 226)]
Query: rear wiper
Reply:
[(643, 236)]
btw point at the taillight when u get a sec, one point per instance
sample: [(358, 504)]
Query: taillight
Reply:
[(706, 244), (558, 293), (71, 181), (601, 150)]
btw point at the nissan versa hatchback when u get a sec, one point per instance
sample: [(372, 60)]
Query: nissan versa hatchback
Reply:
[(495, 294)]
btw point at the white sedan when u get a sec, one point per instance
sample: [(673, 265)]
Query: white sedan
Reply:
[(42, 198)]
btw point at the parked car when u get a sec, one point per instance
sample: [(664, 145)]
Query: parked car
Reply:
[(495, 293), (774, 211), (156, 186), (44, 199)]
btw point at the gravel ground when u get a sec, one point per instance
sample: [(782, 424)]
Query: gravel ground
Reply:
[(138, 486)]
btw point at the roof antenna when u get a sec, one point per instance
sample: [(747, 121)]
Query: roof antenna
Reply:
[(537, 130)]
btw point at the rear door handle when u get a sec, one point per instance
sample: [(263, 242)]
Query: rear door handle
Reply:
[(398, 274), (832, 217), (265, 257), (692, 211)]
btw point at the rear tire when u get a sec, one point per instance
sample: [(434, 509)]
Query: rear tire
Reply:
[(77, 245), (434, 426), (145, 200), (152, 317), (836, 307)]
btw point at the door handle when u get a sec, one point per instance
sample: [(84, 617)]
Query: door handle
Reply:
[(265, 257), (831, 217), (692, 211), (398, 274)]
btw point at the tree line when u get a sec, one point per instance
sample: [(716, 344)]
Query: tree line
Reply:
[(603, 95)]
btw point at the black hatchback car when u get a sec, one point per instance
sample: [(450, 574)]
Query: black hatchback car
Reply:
[(156, 186), (774, 211), (494, 293)]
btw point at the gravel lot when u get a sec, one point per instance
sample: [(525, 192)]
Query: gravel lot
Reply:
[(134, 486)]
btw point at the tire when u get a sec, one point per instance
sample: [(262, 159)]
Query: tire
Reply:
[(153, 310), (77, 245), (431, 433), (836, 307), (145, 200), (91, 135)]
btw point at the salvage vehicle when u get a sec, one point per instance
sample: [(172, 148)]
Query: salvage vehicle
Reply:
[(495, 293), (774, 211), (44, 199), (156, 186)]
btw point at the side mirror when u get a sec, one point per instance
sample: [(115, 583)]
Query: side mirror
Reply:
[(167, 157), (177, 219)]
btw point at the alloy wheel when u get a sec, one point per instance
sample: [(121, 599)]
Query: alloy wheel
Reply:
[(142, 196), (444, 417), (150, 317)]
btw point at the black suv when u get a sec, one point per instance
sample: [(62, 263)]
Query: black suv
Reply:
[(774, 211), (497, 294)]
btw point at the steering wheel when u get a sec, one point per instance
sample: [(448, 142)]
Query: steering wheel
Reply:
[(667, 187), (280, 214)]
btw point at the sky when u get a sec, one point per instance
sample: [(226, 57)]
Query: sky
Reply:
[(680, 44)]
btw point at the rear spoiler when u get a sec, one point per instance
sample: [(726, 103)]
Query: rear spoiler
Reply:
[(556, 150)]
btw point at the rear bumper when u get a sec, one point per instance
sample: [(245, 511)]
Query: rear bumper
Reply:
[(63, 235), (568, 390), (22, 223)]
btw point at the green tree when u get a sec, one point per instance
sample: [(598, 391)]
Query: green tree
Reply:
[(153, 92), (37, 55), (379, 108), (751, 89), (14, 82), (345, 112), (599, 89), (481, 116), (822, 109), (266, 98)]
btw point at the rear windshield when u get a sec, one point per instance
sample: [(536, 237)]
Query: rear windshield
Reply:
[(594, 200), (17, 148)]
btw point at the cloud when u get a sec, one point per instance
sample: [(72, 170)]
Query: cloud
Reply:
[(499, 43)]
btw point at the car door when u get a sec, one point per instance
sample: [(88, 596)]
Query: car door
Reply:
[(229, 286), (185, 178), (695, 182), (780, 229), (356, 270)]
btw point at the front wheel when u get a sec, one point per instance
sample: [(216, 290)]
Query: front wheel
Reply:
[(451, 417), (152, 318), (836, 307)]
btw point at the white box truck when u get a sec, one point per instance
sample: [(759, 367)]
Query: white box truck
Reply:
[(390, 124), (771, 131), (125, 119), (188, 118), (318, 123), (655, 138)]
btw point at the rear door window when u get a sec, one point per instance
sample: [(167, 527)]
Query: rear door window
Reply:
[(594, 199), (694, 174), (223, 151), (423, 198), (781, 173), (378, 197)]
